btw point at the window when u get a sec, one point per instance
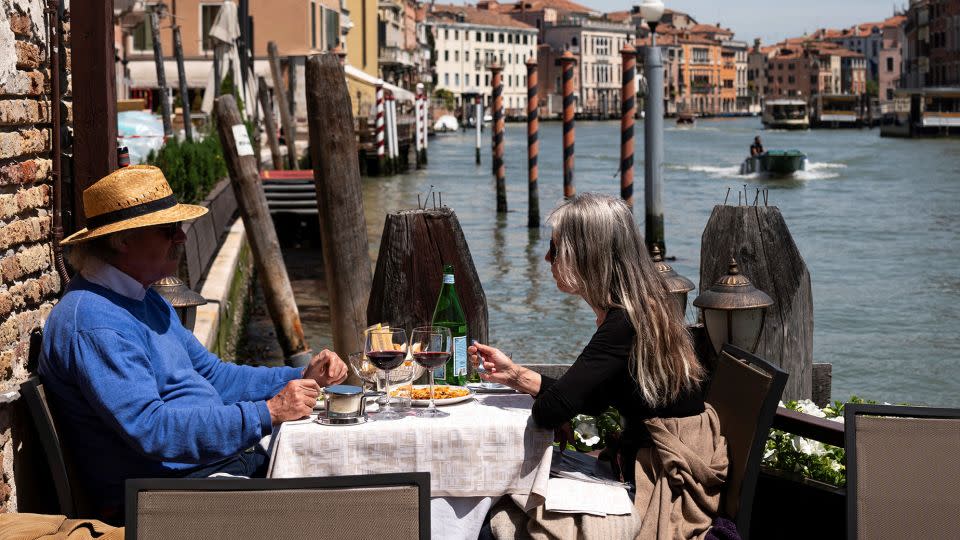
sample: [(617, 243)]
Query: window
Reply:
[(456, 79), (791, 79), (456, 35), (331, 28), (478, 37), (524, 39), (889, 94), (500, 37), (889, 64), (446, 79), (143, 36), (476, 79), (486, 79), (489, 37), (446, 56), (208, 14), (791, 67), (446, 33), (466, 56), (456, 56), (313, 24)]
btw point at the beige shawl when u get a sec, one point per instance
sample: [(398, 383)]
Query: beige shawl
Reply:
[(53, 527), (679, 481)]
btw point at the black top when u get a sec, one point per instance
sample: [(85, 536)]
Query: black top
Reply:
[(601, 377)]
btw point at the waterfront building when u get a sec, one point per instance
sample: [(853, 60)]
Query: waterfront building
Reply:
[(362, 53), (864, 38), (893, 40), (757, 73), (540, 13), (932, 54), (467, 40), (735, 98)]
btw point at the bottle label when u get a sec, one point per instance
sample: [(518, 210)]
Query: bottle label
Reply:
[(448, 279), (460, 356)]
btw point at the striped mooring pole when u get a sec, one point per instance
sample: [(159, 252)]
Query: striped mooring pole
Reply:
[(498, 167), (533, 145), (381, 151), (425, 124), (628, 111), (418, 119), (478, 112), (567, 63)]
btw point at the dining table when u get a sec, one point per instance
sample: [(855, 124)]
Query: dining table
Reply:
[(487, 447)]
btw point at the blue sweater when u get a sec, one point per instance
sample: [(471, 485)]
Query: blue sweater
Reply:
[(137, 396)]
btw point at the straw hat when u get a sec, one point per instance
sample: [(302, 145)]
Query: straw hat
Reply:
[(129, 198)]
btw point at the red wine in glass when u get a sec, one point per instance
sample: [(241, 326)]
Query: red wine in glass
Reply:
[(386, 360), (431, 359)]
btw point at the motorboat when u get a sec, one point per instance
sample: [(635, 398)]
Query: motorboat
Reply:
[(775, 162)]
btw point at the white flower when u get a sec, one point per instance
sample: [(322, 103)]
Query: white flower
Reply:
[(838, 419), (809, 407), (835, 465), (809, 447), (769, 453), (586, 431)]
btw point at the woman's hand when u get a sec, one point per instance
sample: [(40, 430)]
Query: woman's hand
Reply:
[(499, 368)]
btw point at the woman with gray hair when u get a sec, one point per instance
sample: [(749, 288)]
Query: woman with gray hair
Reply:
[(640, 360)]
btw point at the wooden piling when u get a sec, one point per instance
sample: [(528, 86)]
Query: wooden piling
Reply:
[(413, 249), (533, 145), (161, 72), (269, 123), (628, 111), (264, 245), (499, 171), (286, 118), (381, 151), (336, 173), (567, 63), (478, 112), (182, 76), (217, 75), (758, 237)]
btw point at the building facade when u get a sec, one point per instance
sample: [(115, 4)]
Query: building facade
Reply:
[(891, 60), (467, 41)]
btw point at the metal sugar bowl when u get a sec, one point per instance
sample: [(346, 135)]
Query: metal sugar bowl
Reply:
[(344, 405)]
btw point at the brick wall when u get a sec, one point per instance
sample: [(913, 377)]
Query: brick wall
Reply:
[(29, 285)]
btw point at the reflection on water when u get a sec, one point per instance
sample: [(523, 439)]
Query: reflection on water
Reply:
[(876, 220)]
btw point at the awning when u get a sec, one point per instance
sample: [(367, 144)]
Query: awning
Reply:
[(143, 73), (364, 77)]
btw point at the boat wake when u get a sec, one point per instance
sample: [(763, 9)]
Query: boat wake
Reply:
[(814, 171)]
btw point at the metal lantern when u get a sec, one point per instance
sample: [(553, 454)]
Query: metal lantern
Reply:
[(734, 311), (678, 285), (183, 299)]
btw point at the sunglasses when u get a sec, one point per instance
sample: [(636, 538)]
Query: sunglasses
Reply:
[(170, 229)]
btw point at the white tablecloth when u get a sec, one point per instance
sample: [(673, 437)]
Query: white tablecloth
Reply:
[(487, 447)]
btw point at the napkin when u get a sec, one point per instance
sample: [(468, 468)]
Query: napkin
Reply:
[(570, 496)]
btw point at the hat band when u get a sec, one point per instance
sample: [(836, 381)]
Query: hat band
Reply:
[(142, 209)]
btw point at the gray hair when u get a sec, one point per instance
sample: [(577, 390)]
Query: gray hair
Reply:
[(102, 248), (601, 255)]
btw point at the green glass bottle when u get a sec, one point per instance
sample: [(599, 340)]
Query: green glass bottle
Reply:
[(449, 314)]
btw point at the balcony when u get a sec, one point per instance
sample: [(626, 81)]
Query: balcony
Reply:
[(395, 56)]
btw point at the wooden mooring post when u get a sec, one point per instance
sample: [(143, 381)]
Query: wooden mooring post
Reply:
[(499, 171), (264, 245), (336, 174), (628, 110), (567, 63), (182, 79), (286, 117), (161, 71), (758, 237), (269, 123), (533, 145), (413, 249)]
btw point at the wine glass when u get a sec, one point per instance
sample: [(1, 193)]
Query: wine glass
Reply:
[(386, 348), (431, 346)]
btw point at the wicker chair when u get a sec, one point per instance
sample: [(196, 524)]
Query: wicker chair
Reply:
[(902, 472), (395, 506), (70, 496), (745, 391)]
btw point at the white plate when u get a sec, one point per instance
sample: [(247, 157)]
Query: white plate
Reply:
[(490, 388), (440, 402)]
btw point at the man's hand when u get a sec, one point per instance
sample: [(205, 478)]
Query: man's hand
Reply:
[(294, 402), (326, 368)]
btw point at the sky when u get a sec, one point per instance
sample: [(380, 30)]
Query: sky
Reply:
[(770, 20)]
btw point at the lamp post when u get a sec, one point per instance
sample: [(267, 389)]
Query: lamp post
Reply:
[(651, 11), (734, 311), (183, 299), (678, 285)]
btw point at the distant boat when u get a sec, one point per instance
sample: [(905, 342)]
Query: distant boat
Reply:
[(786, 114), (446, 123), (775, 162), (687, 119)]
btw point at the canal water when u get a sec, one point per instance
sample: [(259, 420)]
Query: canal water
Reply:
[(876, 220)]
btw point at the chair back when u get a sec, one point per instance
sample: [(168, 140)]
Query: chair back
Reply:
[(73, 503), (902, 471), (334, 508), (745, 391)]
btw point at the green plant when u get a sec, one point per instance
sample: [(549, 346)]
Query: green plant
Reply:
[(191, 168), (449, 100)]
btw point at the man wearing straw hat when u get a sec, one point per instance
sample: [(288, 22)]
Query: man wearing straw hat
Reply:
[(136, 393)]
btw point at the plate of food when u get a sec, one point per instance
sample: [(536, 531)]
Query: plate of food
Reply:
[(443, 394)]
